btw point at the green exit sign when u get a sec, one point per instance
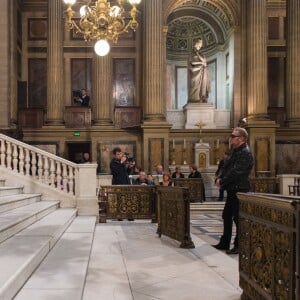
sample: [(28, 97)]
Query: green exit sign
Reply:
[(76, 133)]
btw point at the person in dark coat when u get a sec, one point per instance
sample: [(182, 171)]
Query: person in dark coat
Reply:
[(196, 174), (219, 173), (177, 173), (234, 179), (118, 167)]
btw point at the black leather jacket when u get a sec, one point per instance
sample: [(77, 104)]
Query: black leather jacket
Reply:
[(234, 176)]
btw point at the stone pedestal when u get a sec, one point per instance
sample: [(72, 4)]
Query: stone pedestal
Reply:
[(211, 190), (194, 112)]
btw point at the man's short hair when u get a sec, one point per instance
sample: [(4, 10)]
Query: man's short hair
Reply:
[(117, 149), (243, 132)]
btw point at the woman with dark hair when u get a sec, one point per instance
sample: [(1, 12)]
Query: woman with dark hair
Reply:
[(194, 172), (177, 173), (167, 180)]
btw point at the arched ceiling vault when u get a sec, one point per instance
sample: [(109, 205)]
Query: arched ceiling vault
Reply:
[(188, 20)]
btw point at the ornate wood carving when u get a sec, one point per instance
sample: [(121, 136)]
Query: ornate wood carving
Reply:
[(174, 214), (127, 116), (264, 185), (269, 246), (77, 117), (195, 187), (126, 201)]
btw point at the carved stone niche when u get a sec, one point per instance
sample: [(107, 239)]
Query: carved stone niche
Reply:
[(127, 116), (77, 117)]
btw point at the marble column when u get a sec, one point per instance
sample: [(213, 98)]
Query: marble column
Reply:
[(55, 79), (293, 70), (153, 62), (5, 63), (257, 93), (102, 90)]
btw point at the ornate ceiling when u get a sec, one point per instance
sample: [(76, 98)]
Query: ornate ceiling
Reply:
[(188, 20)]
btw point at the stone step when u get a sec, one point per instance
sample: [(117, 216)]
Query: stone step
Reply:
[(207, 206), (62, 273), (13, 201), (19, 218), (21, 254), (10, 190)]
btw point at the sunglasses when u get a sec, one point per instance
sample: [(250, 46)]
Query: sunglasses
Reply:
[(234, 136)]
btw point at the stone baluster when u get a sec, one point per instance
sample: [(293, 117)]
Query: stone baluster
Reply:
[(46, 170), (71, 180), (21, 160), (65, 177), (58, 174), (15, 158), (33, 164), (52, 172), (40, 167), (2, 150), (27, 163), (8, 155)]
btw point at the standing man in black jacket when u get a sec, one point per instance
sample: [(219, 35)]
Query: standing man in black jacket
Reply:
[(234, 179), (118, 167)]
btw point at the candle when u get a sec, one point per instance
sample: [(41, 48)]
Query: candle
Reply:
[(184, 145), (218, 143), (173, 144)]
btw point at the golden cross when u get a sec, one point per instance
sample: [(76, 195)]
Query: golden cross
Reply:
[(200, 124)]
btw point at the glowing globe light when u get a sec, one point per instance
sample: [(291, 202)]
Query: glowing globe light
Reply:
[(70, 2), (102, 47)]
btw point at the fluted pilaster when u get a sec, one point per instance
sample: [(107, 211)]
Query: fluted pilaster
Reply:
[(4, 63), (55, 82), (293, 70), (257, 93), (102, 90), (153, 62)]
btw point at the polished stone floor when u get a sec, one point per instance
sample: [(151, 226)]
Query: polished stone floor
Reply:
[(129, 261)]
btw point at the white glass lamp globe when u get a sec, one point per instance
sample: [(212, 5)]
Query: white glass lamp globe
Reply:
[(102, 47), (71, 2), (84, 10), (136, 2)]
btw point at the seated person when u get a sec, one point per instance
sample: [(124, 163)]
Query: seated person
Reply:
[(194, 172), (142, 179), (167, 180), (177, 173), (150, 179), (159, 170)]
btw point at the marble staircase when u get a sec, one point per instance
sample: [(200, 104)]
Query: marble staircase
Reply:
[(34, 232)]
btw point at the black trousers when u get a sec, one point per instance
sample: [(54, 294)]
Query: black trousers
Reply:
[(230, 215)]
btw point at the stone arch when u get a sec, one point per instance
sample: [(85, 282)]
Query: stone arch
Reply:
[(230, 9)]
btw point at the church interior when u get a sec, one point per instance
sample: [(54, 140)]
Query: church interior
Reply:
[(138, 92), (139, 100)]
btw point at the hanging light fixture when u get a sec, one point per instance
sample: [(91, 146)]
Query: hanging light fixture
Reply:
[(102, 22)]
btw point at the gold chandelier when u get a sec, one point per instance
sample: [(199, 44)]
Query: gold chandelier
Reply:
[(102, 21)]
